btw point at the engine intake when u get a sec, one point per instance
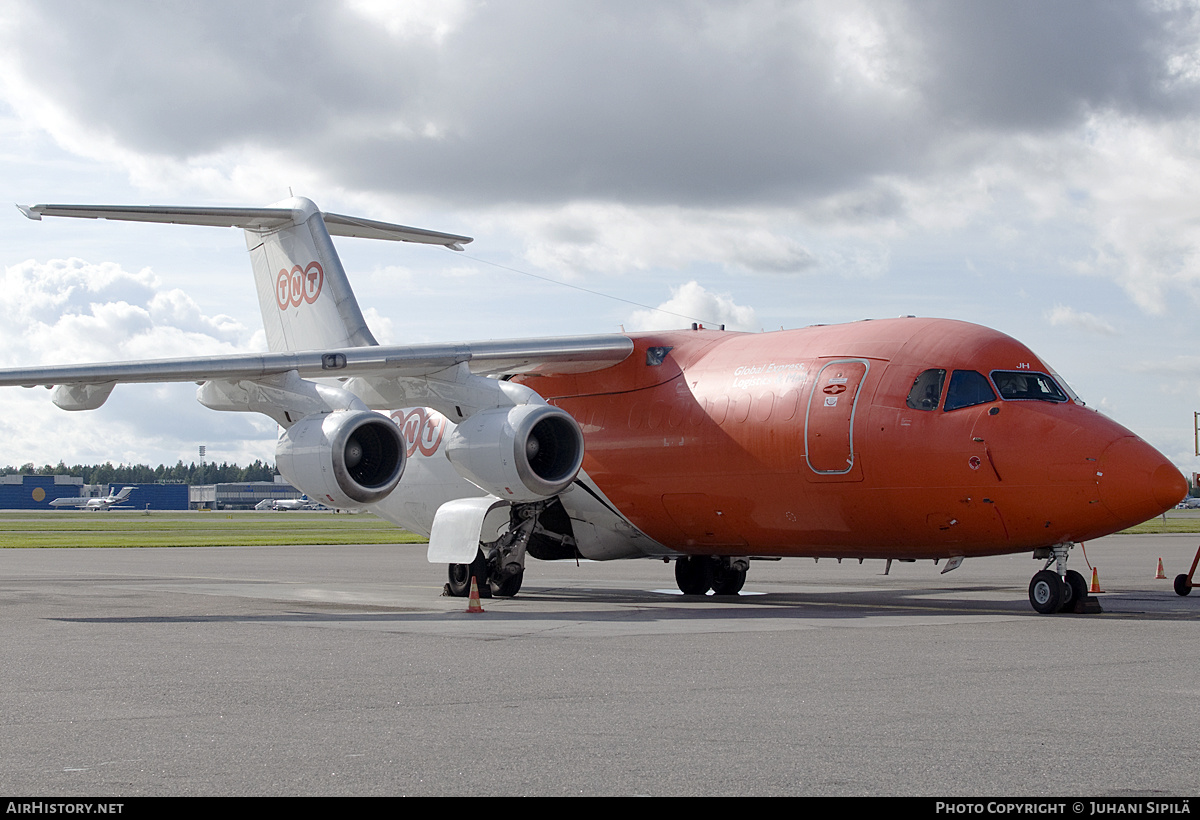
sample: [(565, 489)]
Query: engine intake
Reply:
[(522, 453), (345, 459)]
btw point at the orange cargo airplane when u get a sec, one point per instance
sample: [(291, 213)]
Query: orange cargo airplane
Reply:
[(899, 439)]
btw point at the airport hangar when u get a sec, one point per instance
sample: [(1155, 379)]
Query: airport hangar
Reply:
[(35, 492)]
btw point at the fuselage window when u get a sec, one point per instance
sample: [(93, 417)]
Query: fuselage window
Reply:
[(1017, 385), (927, 390), (968, 388)]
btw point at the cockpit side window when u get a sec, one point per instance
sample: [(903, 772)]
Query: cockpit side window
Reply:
[(926, 391), (968, 388), (1024, 384)]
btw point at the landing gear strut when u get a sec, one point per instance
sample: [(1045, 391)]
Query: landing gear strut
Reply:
[(1058, 590), (499, 566), (1183, 582), (697, 574)]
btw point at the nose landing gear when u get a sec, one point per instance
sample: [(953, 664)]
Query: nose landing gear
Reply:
[(1061, 589)]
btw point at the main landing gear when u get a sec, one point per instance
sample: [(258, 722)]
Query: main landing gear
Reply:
[(493, 575), (697, 574), (461, 574), (499, 566), (496, 572), (1058, 590)]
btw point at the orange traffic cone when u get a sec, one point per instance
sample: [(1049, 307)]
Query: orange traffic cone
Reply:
[(1162, 576), (1095, 581), (473, 601)]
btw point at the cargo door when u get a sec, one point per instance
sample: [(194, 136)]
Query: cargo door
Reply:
[(829, 422)]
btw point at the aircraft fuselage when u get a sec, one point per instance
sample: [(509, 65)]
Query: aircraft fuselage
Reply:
[(807, 442)]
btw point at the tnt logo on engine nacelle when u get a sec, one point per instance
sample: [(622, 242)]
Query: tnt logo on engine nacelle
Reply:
[(299, 285), (422, 429)]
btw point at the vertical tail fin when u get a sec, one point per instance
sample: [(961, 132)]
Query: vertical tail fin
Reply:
[(303, 292)]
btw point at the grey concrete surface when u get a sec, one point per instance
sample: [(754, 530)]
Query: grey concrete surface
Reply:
[(341, 671)]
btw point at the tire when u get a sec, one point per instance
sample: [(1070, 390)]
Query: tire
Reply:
[(1182, 587), (726, 580), (1046, 592), (693, 574), (508, 586), (460, 577), (1075, 590)]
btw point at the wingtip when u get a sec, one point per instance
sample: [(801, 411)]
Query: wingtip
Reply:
[(29, 212)]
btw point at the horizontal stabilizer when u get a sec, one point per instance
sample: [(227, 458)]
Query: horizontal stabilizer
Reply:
[(251, 219)]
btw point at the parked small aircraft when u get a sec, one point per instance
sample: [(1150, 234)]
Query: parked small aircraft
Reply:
[(287, 504), (108, 502), (900, 439)]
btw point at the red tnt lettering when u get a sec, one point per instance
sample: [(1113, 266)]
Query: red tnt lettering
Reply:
[(299, 285)]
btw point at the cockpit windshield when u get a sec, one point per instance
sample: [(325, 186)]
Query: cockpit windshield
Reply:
[(967, 389), (926, 391), (1017, 385)]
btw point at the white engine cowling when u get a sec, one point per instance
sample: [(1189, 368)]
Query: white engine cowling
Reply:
[(523, 453), (344, 459)]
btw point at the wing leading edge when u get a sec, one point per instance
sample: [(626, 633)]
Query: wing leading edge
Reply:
[(577, 354)]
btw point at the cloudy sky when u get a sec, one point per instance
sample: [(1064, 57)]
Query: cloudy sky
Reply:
[(1030, 166)]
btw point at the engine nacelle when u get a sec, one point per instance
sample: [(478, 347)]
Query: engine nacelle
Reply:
[(344, 459), (522, 453)]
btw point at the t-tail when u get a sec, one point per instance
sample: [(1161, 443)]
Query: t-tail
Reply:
[(305, 297), (303, 292)]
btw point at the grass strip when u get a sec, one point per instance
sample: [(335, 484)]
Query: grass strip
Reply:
[(70, 529)]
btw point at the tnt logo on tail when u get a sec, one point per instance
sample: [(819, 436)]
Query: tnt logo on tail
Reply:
[(299, 285)]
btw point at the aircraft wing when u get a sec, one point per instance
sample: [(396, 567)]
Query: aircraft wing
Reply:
[(577, 354)]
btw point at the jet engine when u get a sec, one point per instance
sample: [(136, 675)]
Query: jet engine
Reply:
[(523, 453), (344, 459)]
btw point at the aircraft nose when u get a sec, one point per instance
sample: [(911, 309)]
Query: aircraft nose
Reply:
[(1137, 482)]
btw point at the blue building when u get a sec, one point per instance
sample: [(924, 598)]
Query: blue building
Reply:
[(35, 492)]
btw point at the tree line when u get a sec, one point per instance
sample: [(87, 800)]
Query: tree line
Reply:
[(107, 473)]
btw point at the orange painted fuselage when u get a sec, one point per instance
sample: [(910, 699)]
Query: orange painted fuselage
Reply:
[(808, 443)]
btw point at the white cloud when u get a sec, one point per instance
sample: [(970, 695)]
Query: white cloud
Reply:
[(1063, 316), (414, 19), (67, 310), (1137, 182), (691, 301), (611, 238)]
